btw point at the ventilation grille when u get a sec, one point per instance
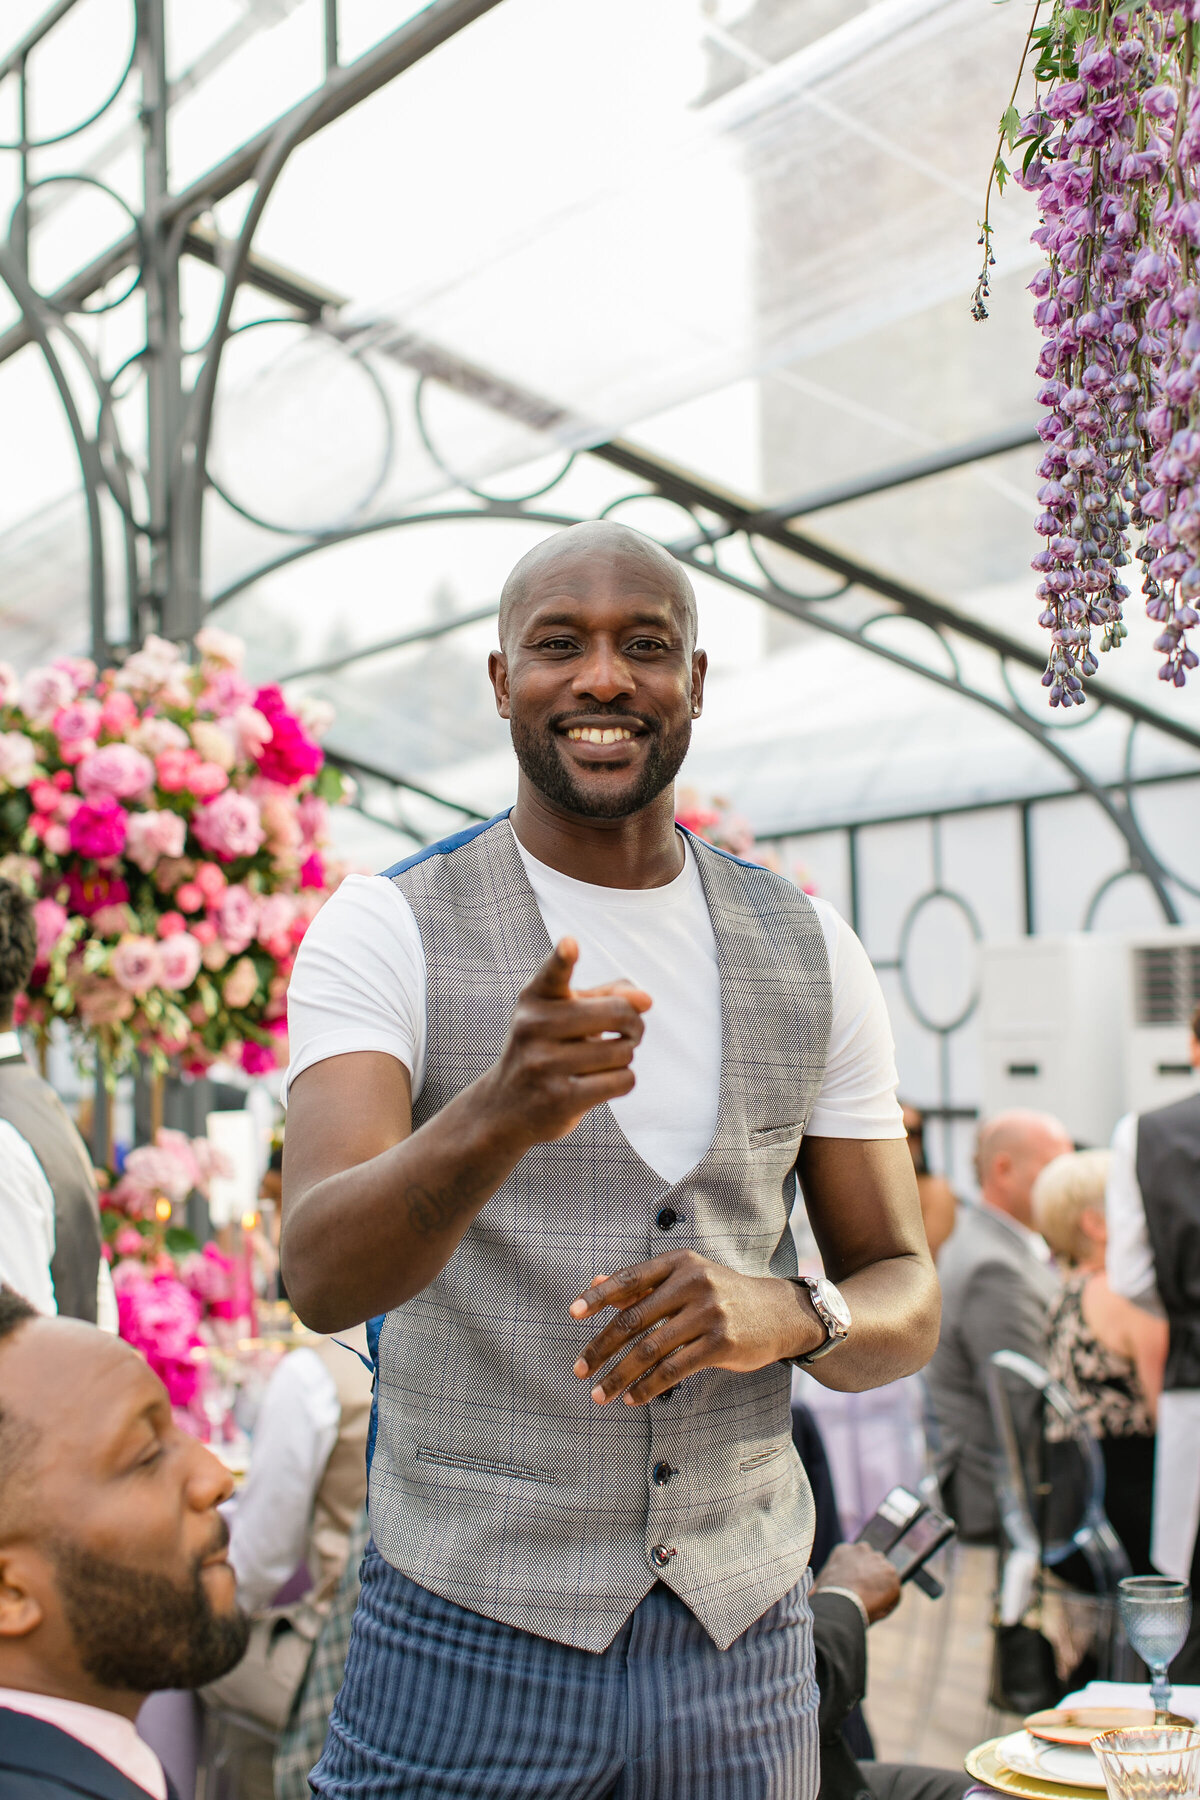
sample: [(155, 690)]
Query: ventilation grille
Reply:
[(1167, 983)]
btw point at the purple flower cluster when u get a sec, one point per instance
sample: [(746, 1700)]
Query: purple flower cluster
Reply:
[(1114, 158)]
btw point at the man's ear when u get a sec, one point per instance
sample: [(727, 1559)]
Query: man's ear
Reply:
[(20, 1610), (498, 672)]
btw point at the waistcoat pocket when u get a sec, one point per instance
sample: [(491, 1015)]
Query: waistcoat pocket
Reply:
[(762, 1457), (487, 1465)]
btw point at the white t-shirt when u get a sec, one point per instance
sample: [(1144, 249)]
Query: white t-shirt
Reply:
[(359, 984)]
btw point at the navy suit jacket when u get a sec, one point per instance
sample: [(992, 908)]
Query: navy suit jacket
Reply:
[(40, 1762)]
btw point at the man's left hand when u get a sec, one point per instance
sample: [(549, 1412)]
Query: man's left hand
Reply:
[(696, 1314)]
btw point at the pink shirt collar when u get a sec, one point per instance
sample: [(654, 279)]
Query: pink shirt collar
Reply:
[(107, 1733)]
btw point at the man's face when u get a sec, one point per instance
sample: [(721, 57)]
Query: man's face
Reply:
[(1039, 1145), (113, 1568), (600, 684)]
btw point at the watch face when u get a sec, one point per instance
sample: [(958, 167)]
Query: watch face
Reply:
[(833, 1300)]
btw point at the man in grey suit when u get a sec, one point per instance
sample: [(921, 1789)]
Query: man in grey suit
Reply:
[(997, 1286)]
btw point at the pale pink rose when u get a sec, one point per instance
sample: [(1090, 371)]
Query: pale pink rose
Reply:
[(154, 735), (275, 917), (18, 759), (205, 931), (215, 955), (170, 924), (44, 692), (253, 732), (179, 957), (313, 813), (229, 826), (111, 921), (157, 671), (50, 920), (206, 780), (128, 1241), (209, 1161), (57, 840), (225, 692), (118, 714), (81, 671), (136, 964), (153, 835), (188, 897), (215, 743), (118, 770), (211, 881), (280, 822), (241, 984), (81, 719), (10, 684), (73, 750), (219, 647), (236, 915)]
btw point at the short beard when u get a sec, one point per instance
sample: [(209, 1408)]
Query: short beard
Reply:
[(137, 1632), (542, 763)]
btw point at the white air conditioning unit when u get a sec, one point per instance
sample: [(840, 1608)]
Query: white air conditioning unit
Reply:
[(1162, 992), (1051, 1013)]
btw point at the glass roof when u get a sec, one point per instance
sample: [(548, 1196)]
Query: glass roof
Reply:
[(739, 233)]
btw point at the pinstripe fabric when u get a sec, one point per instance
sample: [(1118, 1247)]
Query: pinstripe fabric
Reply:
[(495, 1480), (444, 1704)]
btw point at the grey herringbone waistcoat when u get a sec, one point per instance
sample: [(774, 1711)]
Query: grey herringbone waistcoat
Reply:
[(496, 1481)]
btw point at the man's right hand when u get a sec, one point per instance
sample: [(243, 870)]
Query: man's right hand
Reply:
[(567, 1051), (866, 1573)]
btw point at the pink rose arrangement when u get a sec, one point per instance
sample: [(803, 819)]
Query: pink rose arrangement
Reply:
[(171, 821)]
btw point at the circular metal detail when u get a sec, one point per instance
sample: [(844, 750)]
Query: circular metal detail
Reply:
[(17, 215), (1052, 718), (1106, 887), (662, 1473), (934, 631), (667, 1219), (436, 457), (356, 506), (661, 1555), (701, 530), (782, 587), (61, 137), (938, 917)]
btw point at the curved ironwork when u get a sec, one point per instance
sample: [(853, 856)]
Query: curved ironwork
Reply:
[(439, 462)]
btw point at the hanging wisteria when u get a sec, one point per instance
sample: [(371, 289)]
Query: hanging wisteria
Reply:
[(1111, 149)]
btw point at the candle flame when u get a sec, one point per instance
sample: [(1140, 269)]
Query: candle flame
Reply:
[(162, 1209)]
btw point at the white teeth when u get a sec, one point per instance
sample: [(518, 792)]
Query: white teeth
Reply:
[(593, 734)]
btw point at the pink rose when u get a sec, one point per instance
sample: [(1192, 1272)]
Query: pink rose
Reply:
[(220, 648), (215, 743), (170, 924), (50, 920), (45, 796), (251, 730), (118, 714), (73, 750), (10, 684), (81, 671), (205, 931), (275, 917), (280, 822), (257, 1059), (179, 959), (118, 770), (240, 985), (152, 835), (128, 1241), (211, 881), (111, 921), (98, 828), (188, 898), (236, 915), (313, 813), (57, 840), (81, 719), (44, 692), (206, 779), (157, 671), (214, 955), (229, 826), (154, 735), (136, 964), (174, 766), (291, 756), (18, 757), (225, 692)]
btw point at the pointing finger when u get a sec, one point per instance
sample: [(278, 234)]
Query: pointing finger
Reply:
[(553, 979)]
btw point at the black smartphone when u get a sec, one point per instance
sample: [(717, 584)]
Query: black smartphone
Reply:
[(891, 1519), (926, 1534)]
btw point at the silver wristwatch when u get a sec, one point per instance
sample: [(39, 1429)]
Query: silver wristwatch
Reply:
[(830, 1307)]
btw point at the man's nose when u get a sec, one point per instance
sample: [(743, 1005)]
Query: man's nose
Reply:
[(603, 673), (209, 1481)]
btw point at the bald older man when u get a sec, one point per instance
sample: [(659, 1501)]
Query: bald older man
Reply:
[(997, 1285), (552, 1080)]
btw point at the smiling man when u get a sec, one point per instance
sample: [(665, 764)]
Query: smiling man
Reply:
[(552, 1082), (114, 1581)]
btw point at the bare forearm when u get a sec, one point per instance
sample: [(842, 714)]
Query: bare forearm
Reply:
[(368, 1238), (895, 1308)]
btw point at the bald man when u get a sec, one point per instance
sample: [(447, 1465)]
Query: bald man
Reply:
[(997, 1285), (552, 1080)]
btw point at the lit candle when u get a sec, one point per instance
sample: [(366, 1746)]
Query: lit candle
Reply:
[(249, 1221)]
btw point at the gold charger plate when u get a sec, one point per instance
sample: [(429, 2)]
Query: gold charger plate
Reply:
[(983, 1763), (1078, 1725)]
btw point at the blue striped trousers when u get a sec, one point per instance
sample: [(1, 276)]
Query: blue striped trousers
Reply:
[(443, 1704)]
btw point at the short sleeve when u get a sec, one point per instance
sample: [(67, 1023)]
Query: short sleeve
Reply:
[(858, 1091), (359, 981)]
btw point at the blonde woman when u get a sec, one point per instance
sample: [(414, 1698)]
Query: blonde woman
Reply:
[(1107, 1352)]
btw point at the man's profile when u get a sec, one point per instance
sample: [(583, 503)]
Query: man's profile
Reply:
[(553, 1082)]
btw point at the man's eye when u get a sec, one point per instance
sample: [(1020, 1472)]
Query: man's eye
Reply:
[(150, 1457), (557, 644), (645, 644)]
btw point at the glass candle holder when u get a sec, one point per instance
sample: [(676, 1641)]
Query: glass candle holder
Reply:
[(1150, 1762)]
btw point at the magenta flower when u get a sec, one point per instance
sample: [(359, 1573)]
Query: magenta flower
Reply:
[(98, 829), (291, 756), (257, 1059)]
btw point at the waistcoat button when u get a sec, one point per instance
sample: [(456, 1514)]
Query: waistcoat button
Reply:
[(662, 1473), (666, 1218), (661, 1555)]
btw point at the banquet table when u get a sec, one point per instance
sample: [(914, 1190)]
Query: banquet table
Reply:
[(992, 1778)]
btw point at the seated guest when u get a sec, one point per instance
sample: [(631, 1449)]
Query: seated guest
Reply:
[(49, 1210), (997, 1288), (939, 1208), (114, 1577), (1107, 1353), (856, 1587)]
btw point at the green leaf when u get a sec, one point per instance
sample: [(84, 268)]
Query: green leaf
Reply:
[(1001, 176), (1010, 125), (330, 785), (179, 1241)]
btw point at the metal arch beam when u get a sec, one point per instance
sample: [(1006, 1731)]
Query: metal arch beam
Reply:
[(345, 88), (425, 634), (355, 765), (691, 490)]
